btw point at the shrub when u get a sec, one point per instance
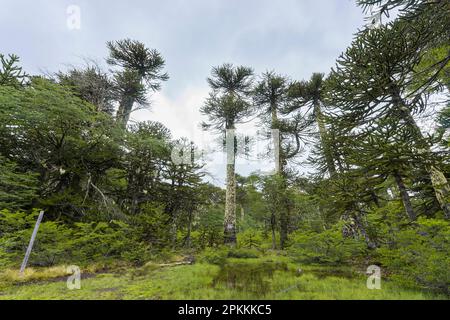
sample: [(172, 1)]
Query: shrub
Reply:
[(6, 258), (11, 222), (151, 224), (384, 222), (243, 253), (104, 241), (210, 228), (51, 246), (250, 238), (419, 256), (17, 189), (329, 247), (217, 256), (57, 243)]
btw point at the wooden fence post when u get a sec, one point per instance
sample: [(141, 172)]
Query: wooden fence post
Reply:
[(30, 245)]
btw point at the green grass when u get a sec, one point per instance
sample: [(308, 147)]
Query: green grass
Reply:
[(262, 278)]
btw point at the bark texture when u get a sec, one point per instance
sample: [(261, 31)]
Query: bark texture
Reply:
[(230, 207), (405, 196)]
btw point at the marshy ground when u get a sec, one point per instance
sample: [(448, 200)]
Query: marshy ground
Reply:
[(277, 278)]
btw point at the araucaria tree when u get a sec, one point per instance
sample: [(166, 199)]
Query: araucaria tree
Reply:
[(228, 104), (271, 97), (10, 73), (372, 83), (142, 70), (308, 97)]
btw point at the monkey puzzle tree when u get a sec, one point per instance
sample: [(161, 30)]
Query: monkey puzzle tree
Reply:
[(270, 95), (432, 72), (141, 71), (309, 96), (228, 104), (371, 82), (435, 11), (385, 152), (10, 73)]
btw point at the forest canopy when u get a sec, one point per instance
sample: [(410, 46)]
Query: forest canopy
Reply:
[(111, 190)]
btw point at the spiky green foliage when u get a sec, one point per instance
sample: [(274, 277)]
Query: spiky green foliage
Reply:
[(431, 15), (371, 78), (307, 98), (134, 55), (141, 70), (10, 73), (228, 103), (371, 87), (271, 98)]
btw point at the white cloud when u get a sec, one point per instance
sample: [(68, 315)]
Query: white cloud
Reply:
[(181, 114), (293, 37)]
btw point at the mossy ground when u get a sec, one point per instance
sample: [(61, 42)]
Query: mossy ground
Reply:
[(258, 278)]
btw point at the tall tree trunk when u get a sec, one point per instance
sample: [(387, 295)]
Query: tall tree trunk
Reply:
[(283, 204), (324, 139), (279, 155), (230, 207), (439, 182), (124, 111), (442, 190), (404, 196)]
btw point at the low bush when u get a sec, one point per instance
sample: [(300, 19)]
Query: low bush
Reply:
[(327, 247), (243, 253), (250, 238), (52, 245), (217, 256), (57, 243), (419, 256)]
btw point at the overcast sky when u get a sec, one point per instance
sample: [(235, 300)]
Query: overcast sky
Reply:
[(292, 37)]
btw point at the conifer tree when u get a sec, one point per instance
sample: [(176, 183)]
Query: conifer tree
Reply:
[(310, 95), (228, 104), (371, 82), (271, 97), (10, 73), (142, 70)]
